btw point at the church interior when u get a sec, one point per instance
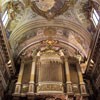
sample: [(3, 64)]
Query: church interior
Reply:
[(49, 49)]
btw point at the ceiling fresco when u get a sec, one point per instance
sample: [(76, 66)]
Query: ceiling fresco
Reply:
[(49, 5), (19, 14), (51, 8), (82, 12), (51, 37), (61, 23)]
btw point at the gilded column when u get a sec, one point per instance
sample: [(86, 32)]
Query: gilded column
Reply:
[(18, 84), (68, 81), (32, 77), (81, 82)]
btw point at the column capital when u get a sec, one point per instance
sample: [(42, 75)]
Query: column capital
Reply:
[(18, 83), (82, 83), (31, 82), (61, 53), (34, 59), (38, 54), (22, 60), (66, 59), (68, 82)]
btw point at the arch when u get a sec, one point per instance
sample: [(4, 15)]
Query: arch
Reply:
[(63, 42), (55, 23)]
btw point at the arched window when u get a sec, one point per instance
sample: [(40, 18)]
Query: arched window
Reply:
[(5, 18), (95, 17)]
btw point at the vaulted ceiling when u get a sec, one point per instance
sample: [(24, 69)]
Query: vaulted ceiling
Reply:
[(36, 24)]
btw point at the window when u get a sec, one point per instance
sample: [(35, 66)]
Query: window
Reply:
[(95, 17), (5, 18)]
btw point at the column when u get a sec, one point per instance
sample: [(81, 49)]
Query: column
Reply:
[(81, 82), (18, 84), (68, 81), (32, 77)]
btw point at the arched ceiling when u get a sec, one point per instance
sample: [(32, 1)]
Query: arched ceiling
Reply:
[(63, 35), (30, 18)]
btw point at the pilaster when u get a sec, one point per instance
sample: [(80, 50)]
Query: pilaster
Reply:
[(68, 81), (18, 84), (32, 77), (81, 82)]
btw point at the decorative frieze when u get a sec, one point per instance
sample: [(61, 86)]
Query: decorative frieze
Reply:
[(50, 88)]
